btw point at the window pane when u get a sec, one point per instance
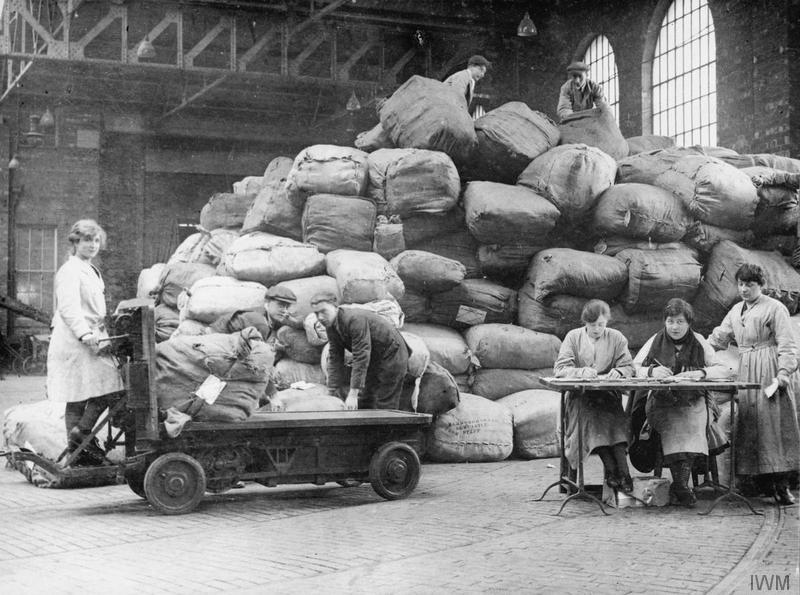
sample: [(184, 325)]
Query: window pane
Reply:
[(694, 51), (36, 263), (47, 292), (37, 240), (599, 57), (685, 56)]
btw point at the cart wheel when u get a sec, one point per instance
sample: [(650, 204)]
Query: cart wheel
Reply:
[(394, 470), (32, 366), (174, 483), (135, 481)]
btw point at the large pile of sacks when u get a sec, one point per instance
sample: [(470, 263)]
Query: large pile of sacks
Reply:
[(490, 236)]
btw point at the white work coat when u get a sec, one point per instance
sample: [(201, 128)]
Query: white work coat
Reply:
[(74, 371)]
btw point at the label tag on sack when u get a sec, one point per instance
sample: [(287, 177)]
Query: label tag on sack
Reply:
[(470, 316), (210, 389)]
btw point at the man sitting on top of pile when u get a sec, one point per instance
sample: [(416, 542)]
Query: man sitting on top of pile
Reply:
[(579, 93)]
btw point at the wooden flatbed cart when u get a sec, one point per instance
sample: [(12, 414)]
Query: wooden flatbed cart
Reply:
[(348, 447)]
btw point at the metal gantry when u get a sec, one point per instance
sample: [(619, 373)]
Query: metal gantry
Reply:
[(223, 44)]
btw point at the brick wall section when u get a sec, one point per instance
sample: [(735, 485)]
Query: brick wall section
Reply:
[(753, 95), (793, 56)]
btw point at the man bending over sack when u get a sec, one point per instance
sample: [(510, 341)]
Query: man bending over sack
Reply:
[(380, 354)]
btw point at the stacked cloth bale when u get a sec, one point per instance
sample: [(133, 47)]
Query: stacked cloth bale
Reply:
[(242, 360), (483, 241)]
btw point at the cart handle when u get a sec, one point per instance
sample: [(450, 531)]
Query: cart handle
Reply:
[(114, 337)]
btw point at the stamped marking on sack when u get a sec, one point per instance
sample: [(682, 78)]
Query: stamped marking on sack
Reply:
[(471, 316)]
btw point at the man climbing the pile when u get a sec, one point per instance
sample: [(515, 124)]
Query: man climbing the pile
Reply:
[(380, 354), (464, 81), (579, 93)]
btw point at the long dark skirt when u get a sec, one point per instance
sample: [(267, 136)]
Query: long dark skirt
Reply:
[(604, 422)]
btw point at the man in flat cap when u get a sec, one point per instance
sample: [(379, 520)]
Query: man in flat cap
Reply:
[(267, 322), (463, 81), (579, 93), (380, 354)]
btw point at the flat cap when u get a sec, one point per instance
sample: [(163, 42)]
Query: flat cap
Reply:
[(577, 67), (282, 294), (478, 60)]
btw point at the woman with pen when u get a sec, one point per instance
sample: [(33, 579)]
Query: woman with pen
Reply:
[(589, 352), (684, 419)]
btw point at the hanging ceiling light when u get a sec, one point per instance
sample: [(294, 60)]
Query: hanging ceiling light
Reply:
[(145, 49), (33, 137), (353, 104), (13, 163), (47, 121), (526, 28)]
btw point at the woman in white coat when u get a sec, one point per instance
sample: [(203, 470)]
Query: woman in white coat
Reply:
[(76, 373)]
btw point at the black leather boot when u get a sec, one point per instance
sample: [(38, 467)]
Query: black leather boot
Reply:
[(781, 490), (609, 466), (92, 455), (680, 494), (621, 462)]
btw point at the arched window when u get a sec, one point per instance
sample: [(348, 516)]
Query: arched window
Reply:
[(599, 57), (685, 75)]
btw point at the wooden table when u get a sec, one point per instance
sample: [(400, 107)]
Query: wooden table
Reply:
[(580, 386)]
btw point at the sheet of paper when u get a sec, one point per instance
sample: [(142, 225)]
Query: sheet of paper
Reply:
[(772, 388)]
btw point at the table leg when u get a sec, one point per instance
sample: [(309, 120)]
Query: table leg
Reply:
[(563, 476), (580, 491), (731, 488), (563, 462), (711, 465)]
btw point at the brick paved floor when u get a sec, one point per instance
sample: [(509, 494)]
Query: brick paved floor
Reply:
[(466, 529)]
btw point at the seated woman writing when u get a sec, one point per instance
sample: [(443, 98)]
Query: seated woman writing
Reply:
[(588, 352), (685, 419)]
